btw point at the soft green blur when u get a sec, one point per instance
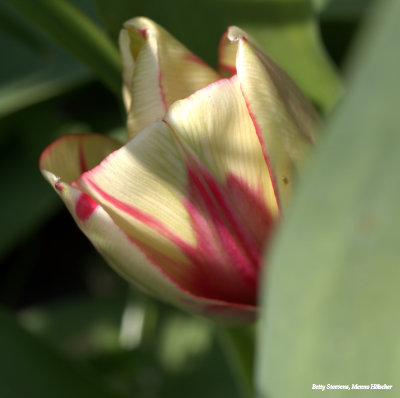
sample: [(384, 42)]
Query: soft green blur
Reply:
[(331, 293)]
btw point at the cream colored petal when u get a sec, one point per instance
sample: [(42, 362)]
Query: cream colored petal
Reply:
[(158, 70), (142, 186), (71, 155), (284, 119), (215, 124)]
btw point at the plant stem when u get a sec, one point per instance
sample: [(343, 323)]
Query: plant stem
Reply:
[(238, 344)]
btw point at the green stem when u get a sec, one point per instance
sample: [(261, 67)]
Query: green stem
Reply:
[(238, 344), (79, 35)]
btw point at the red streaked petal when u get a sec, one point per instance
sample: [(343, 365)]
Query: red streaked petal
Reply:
[(141, 186), (285, 121), (158, 70), (155, 211), (129, 259), (214, 123)]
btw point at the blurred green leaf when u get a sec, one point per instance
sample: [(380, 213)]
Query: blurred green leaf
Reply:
[(342, 10), (28, 368), (182, 340), (331, 299), (78, 34), (26, 200), (238, 344), (286, 28), (34, 69), (290, 34), (79, 326)]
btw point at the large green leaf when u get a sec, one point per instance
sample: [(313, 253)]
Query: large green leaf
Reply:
[(341, 9), (28, 368), (34, 69), (287, 30), (78, 34), (331, 293), (81, 326)]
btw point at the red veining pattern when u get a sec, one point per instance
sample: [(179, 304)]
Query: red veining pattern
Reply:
[(260, 137), (231, 225), (162, 92), (134, 212), (85, 206)]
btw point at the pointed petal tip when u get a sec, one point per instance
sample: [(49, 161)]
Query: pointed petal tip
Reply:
[(137, 22), (234, 33)]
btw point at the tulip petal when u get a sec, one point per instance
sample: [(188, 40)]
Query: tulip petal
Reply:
[(215, 124), (131, 262), (71, 155), (284, 120), (181, 216), (158, 70), (141, 186)]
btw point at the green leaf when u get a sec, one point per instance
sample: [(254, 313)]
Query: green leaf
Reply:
[(343, 10), (28, 368), (81, 326), (22, 183), (36, 69), (330, 304), (238, 344), (289, 32), (78, 34)]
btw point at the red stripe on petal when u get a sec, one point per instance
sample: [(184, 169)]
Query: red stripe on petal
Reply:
[(260, 138), (162, 93), (132, 211), (228, 68), (142, 32), (232, 225), (85, 206)]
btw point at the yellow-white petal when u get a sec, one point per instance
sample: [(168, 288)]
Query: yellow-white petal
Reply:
[(227, 50), (158, 70), (285, 120), (142, 186), (71, 155), (215, 124)]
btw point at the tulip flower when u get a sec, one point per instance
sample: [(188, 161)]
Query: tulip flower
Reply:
[(185, 209)]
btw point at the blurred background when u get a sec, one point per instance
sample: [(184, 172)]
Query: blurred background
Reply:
[(60, 301)]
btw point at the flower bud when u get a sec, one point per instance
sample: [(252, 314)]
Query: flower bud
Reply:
[(185, 209)]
